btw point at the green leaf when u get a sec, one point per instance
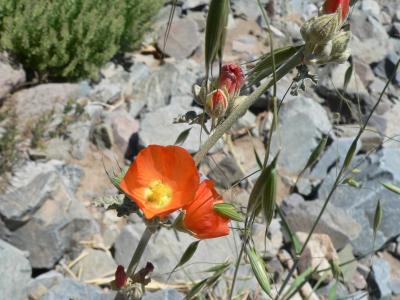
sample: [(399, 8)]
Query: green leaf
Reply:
[(229, 211), (254, 205), (196, 289), (217, 20), (220, 267), (264, 66), (317, 152), (186, 256), (332, 292), (258, 267), (378, 216), (298, 282), (392, 188), (348, 74), (122, 204), (269, 197), (182, 136), (292, 235), (352, 182), (350, 153), (259, 163)]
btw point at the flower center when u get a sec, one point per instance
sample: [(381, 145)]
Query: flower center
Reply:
[(158, 193)]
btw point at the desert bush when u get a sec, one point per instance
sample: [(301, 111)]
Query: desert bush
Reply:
[(72, 38)]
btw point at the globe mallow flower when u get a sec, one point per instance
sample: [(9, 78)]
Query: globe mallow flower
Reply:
[(162, 179), (332, 6), (200, 219)]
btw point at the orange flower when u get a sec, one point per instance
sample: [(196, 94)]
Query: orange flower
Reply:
[(200, 218), (161, 180)]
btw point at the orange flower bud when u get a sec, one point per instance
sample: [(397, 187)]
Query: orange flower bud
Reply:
[(200, 218), (217, 103), (231, 78), (331, 6), (120, 277)]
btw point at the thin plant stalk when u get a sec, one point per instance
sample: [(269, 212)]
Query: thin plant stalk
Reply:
[(335, 185)]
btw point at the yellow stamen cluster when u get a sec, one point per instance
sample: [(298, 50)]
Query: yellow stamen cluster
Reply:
[(158, 194)]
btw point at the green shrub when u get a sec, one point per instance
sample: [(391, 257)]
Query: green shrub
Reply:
[(72, 38)]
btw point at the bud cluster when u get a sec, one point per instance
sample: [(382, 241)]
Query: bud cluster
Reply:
[(218, 97), (325, 41)]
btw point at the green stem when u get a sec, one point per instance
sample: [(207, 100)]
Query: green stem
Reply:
[(144, 240), (236, 270), (335, 185)]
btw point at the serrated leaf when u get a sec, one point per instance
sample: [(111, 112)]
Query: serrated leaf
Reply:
[(377, 216), (392, 188), (186, 256), (182, 136), (229, 211), (258, 267), (317, 152)]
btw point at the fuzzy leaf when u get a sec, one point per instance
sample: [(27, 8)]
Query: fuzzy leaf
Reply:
[(186, 256)]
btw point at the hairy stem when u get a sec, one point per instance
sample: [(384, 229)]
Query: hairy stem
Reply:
[(144, 240), (241, 109)]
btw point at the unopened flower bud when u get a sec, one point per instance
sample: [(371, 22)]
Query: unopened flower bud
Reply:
[(340, 42), (320, 29), (120, 277), (231, 78), (332, 6), (217, 103), (341, 58)]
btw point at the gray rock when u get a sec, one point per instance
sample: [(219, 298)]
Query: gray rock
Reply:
[(70, 289), (371, 7), (268, 245), (375, 169), (168, 81), (386, 68), (95, 264), (395, 30), (183, 38), (302, 123), (164, 294), (335, 222), (79, 134), (123, 126), (55, 221), (157, 128), (226, 172), (102, 136), (194, 4), (380, 279), (247, 10), (16, 272), (11, 75), (32, 103), (166, 248), (370, 41), (39, 286)]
